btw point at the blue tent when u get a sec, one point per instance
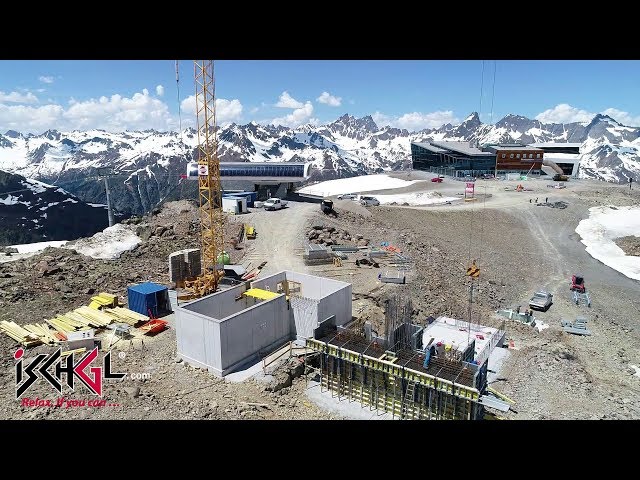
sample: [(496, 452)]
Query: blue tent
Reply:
[(148, 296)]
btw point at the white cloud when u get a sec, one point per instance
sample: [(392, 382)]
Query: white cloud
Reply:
[(115, 113), (227, 111), (159, 90), (416, 120), (329, 99), (145, 91), (287, 101), (46, 78), (623, 117), (16, 97), (564, 113), (254, 110), (298, 117)]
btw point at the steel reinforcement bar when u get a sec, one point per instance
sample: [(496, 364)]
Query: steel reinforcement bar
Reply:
[(383, 385)]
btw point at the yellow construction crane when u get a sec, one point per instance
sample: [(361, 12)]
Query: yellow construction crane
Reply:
[(209, 189)]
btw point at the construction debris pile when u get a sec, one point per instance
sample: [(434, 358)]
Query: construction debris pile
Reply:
[(561, 205), (328, 235)]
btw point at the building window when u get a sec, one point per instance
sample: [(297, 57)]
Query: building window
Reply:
[(538, 155), (504, 155), (518, 155), (511, 156), (531, 155)]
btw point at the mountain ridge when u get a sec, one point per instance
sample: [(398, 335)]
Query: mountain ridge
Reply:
[(150, 162)]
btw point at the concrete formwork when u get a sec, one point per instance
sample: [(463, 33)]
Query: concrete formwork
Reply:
[(319, 298), (224, 330)]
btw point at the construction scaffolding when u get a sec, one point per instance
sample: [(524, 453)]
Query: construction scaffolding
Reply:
[(364, 371)]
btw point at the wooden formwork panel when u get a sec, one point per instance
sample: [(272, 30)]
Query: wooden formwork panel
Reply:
[(383, 391)]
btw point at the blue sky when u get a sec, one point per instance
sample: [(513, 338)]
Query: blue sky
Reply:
[(119, 95)]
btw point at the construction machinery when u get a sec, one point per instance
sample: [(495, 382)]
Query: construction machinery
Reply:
[(250, 232), (209, 190), (326, 206), (577, 283)]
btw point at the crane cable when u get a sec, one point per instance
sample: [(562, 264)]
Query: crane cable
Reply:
[(484, 200), (178, 89)]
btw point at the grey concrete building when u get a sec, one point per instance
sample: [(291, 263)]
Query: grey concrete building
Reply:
[(230, 328)]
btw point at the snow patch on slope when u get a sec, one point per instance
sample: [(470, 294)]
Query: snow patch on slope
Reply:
[(603, 226), (415, 199), (364, 183), (36, 247), (108, 244)]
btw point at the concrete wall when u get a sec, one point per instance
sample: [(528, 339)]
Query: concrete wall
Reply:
[(248, 333), (220, 345), (221, 333), (222, 304), (312, 287), (198, 340), (270, 282), (337, 303)]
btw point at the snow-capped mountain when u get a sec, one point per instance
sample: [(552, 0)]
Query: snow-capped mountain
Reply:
[(149, 163), (32, 211)]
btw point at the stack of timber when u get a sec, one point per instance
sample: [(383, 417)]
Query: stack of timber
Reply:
[(67, 323), (76, 351), (19, 334), (41, 330), (125, 315), (104, 299), (91, 317)]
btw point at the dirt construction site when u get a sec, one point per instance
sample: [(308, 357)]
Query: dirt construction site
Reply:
[(522, 241)]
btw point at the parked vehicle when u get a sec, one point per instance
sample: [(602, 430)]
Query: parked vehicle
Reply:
[(541, 301), (274, 204), (369, 201), (437, 180), (560, 178), (326, 206), (347, 196)]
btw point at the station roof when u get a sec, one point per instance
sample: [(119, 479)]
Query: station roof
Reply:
[(464, 148), (428, 146), (555, 144)]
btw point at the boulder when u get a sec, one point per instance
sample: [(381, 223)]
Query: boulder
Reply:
[(363, 242), (51, 271)]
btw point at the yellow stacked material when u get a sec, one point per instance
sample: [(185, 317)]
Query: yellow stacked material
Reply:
[(77, 350), (41, 330), (60, 324), (96, 318), (19, 334), (113, 299), (104, 299), (121, 314), (261, 294)]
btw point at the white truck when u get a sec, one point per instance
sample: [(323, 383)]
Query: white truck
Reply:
[(274, 204)]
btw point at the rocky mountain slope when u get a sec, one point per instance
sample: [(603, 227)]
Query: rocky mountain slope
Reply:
[(149, 163), (32, 211)]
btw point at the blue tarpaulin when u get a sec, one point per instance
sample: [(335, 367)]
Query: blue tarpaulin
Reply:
[(147, 296)]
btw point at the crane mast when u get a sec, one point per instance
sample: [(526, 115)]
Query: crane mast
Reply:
[(209, 188)]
